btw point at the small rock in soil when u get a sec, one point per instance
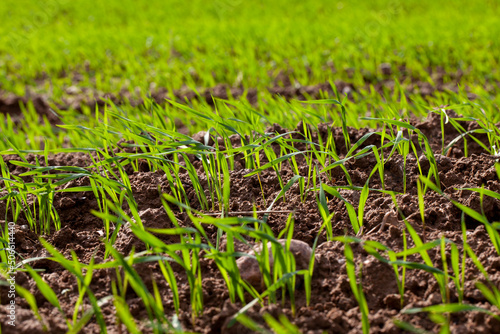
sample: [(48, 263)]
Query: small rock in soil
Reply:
[(249, 267)]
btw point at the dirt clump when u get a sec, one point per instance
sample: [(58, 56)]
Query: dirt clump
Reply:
[(249, 267)]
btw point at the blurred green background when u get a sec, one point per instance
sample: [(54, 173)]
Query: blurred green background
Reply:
[(49, 45)]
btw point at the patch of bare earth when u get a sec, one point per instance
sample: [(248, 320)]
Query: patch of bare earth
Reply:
[(333, 307)]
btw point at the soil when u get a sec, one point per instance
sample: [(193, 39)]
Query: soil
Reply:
[(333, 308), (76, 97)]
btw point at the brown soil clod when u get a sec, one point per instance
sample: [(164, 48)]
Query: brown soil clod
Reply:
[(249, 266)]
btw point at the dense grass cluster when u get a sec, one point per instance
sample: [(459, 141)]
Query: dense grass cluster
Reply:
[(109, 47)]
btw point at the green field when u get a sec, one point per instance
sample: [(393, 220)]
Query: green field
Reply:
[(146, 147)]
